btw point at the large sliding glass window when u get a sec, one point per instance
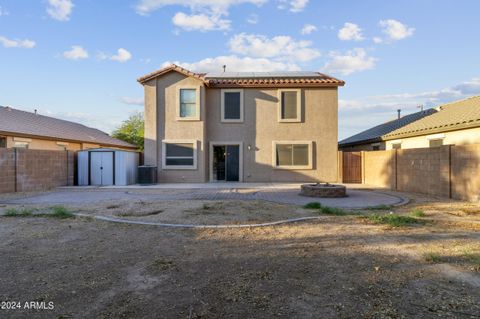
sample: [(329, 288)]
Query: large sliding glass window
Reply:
[(179, 155), (293, 155)]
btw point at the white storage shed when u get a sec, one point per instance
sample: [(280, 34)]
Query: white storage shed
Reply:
[(105, 166)]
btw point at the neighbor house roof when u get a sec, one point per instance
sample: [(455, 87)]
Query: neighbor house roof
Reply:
[(376, 133), (450, 117), (252, 79), (22, 123)]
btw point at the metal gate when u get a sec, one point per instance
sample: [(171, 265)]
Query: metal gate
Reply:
[(352, 167)]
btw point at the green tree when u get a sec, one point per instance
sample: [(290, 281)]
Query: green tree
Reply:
[(131, 130)]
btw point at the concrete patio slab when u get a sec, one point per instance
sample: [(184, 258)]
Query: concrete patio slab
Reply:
[(355, 199)]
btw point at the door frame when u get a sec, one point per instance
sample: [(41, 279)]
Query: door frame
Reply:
[(90, 165), (240, 160)]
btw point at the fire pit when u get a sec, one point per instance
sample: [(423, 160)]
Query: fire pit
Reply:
[(323, 190)]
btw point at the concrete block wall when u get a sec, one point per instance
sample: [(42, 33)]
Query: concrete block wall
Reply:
[(465, 172), (25, 170), (447, 171), (7, 170), (379, 168), (424, 170)]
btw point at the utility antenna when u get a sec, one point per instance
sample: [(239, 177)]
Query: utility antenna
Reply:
[(420, 107)]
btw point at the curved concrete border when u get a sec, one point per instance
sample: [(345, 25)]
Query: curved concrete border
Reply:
[(137, 222)]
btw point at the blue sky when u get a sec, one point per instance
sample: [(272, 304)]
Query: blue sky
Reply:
[(79, 59)]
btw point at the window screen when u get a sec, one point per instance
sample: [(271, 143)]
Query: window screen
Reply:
[(436, 142), (289, 105), (292, 154), (232, 106), (179, 154), (188, 102)]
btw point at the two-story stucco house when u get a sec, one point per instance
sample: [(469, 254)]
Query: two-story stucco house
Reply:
[(247, 127)]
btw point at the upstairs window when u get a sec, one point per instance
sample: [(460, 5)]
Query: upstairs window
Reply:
[(232, 106), (289, 105), (3, 142), (189, 104)]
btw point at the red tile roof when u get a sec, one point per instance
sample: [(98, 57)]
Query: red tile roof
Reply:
[(252, 79)]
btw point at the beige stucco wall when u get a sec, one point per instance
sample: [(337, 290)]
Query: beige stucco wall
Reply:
[(461, 137), (42, 144), (259, 129), (161, 124), (52, 145)]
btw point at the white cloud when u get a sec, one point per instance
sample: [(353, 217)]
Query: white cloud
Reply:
[(352, 61), (412, 100), (200, 22), (362, 113), (236, 64), (60, 9), (253, 18), (377, 40), (395, 30), (144, 7), (17, 43), (308, 28), (293, 5), (121, 56), (3, 12), (76, 53), (132, 100), (279, 47), (350, 32)]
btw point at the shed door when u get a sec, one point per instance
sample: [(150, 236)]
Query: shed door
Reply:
[(101, 168)]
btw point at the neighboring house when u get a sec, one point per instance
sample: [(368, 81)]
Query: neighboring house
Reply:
[(455, 123), (251, 127), (373, 138), (20, 129)]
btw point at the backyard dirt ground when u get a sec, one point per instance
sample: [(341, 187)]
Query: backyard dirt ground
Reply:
[(333, 267)]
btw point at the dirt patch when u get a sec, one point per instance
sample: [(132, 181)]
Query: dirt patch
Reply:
[(331, 268)]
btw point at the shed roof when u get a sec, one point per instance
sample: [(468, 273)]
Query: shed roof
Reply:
[(13, 121)]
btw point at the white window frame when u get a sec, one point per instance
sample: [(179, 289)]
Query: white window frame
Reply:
[(292, 167), (299, 106), (179, 167), (222, 108), (197, 106), (395, 142), (21, 145)]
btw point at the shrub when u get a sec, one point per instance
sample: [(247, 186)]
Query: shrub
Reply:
[(380, 207), (13, 212), (333, 211), (418, 213), (394, 220), (60, 212), (313, 205)]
